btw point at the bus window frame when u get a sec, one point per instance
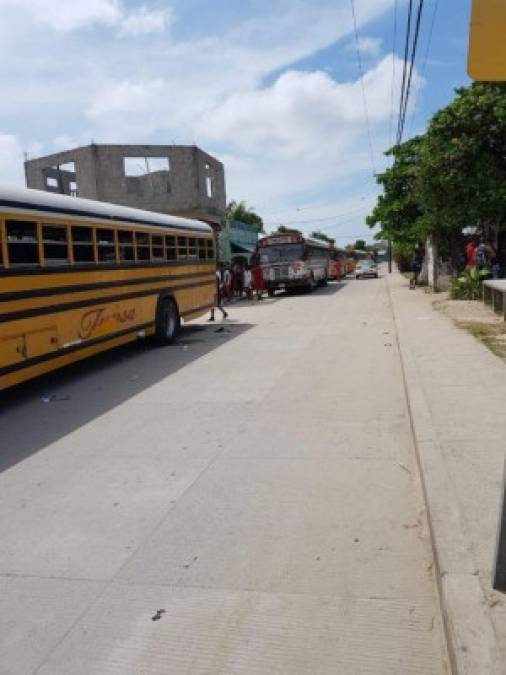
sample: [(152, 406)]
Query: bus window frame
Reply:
[(158, 259), (59, 262), (23, 219), (4, 259), (107, 245)]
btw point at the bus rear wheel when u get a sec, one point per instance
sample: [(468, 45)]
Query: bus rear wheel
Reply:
[(168, 321)]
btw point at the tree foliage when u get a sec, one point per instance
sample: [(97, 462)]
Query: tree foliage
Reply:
[(241, 212), (323, 237), (360, 245), (283, 229), (451, 177), (399, 210)]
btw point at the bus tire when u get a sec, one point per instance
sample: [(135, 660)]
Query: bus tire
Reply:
[(168, 321), (270, 292)]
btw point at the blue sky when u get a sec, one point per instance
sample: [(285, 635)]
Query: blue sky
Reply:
[(269, 87)]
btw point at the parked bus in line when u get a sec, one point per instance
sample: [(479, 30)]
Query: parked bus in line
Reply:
[(293, 261), (353, 257), (338, 267), (79, 276)]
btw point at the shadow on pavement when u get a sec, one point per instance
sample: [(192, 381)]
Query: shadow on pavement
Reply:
[(332, 288), (39, 412)]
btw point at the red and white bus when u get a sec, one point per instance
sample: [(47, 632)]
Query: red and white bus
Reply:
[(293, 261), (337, 266)]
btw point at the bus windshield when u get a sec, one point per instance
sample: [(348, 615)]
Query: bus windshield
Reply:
[(285, 253)]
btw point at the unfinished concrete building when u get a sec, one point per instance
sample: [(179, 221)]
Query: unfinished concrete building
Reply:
[(176, 179)]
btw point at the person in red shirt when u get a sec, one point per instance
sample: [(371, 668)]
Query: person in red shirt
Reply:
[(257, 278), (470, 253)]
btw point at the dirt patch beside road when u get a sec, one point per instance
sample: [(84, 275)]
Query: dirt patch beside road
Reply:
[(478, 319)]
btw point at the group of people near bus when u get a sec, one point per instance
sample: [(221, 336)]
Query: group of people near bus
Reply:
[(236, 281), (480, 253), (241, 279)]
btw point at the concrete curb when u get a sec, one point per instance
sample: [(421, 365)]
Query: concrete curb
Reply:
[(472, 642)]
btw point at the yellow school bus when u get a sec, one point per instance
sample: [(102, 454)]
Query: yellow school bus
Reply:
[(79, 276)]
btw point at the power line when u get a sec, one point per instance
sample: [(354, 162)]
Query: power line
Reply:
[(412, 64), (364, 97), (317, 220), (404, 70), (427, 50), (392, 92)]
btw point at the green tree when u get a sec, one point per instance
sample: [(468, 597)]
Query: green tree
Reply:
[(241, 212), (360, 245), (462, 176), (399, 210), (323, 237), (282, 229)]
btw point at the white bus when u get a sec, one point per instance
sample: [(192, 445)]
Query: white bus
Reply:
[(293, 261)]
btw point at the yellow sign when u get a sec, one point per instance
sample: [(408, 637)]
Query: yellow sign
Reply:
[(487, 43)]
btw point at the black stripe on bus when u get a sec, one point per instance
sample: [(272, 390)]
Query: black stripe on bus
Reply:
[(97, 267), (67, 306), (14, 367), (201, 308), (28, 206), (81, 288)]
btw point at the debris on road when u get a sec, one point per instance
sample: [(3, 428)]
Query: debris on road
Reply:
[(158, 615)]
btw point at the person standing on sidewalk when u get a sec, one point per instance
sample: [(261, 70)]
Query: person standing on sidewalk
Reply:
[(219, 292), (416, 268)]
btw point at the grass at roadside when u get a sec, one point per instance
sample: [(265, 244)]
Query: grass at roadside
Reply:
[(478, 319), (493, 336)]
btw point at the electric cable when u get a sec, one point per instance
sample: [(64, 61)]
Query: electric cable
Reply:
[(404, 70), (426, 56), (392, 91), (412, 64), (362, 84)]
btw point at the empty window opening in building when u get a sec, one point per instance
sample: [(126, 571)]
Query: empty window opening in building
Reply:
[(142, 166), (61, 178)]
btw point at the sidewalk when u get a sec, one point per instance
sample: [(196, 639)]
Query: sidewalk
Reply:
[(457, 395)]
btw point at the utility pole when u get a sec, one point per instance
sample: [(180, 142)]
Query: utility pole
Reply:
[(389, 256)]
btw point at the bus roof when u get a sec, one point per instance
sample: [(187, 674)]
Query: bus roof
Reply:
[(40, 202), (285, 237)]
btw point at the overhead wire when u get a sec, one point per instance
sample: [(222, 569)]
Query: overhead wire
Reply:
[(404, 71), (392, 90), (412, 64), (362, 84), (316, 220), (427, 51)]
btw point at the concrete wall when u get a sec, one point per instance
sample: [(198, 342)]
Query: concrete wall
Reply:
[(100, 174)]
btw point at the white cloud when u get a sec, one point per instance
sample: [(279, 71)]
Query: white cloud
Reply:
[(368, 46), (300, 138), (145, 21), (69, 15), (72, 15), (11, 160)]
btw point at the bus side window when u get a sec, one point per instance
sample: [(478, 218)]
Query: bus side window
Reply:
[(157, 247), (210, 249), (143, 247), (182, 249), (82, 244), (202, 249), (126, 246), (170, 243), (192, 249), (55, 245), (2, 261), (22, 245), (105, 246)]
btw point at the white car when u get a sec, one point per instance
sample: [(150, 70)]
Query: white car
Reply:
[(366, 268)]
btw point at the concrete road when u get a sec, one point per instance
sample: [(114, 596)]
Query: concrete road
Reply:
[(244, 502)]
